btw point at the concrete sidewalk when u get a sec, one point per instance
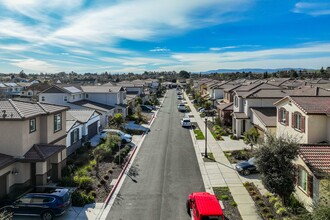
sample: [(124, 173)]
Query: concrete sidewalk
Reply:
[(220, 173)]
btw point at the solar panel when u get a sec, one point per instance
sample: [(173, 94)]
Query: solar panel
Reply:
[(72, 89)]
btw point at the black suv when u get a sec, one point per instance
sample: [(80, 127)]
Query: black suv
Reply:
[(48, 204)]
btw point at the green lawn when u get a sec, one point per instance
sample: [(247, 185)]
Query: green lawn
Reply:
[(199, 134)]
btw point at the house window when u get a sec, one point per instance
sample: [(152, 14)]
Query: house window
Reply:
[(80, 96), (73, 97), (29, 93), (65, 98), (32, 125), (57, 122), (283, 116), (302, 179), (119, 110), (74, 135), (298, 121), (86, 95), (43, 98), (236, 101)]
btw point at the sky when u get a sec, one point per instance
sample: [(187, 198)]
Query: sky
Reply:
[(121, 36)]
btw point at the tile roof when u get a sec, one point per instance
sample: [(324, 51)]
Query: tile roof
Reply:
[(240, 115), (14, 109), (41, 152), (101, 89), (94, 105), (267, 115), (313, 105), (316, 157), (81, 115), (6, 160)]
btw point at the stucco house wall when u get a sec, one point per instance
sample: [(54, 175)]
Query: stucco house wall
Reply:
[(317, 130), (217, 93), (250, 103)]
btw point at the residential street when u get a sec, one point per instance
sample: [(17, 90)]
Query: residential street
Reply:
[(166, 171)]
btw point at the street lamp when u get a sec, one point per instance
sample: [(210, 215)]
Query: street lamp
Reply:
[(213, 99), (205, 154), (119, 145)]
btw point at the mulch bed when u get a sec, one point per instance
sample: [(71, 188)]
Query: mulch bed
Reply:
[(230, 206)]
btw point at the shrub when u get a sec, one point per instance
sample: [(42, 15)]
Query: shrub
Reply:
[(261, 203), (273, 199), (79, 198), (224, 197), (246, 184), (67, 181), (269, 216), (110, 171), (278, 205), (233, 137), (92, 193), (281, 211), (268, 194), (84, 182), (234, 204), (102, 182), (265, 210), (257, 197), (106, 177)]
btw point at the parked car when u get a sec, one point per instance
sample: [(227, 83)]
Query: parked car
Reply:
[(125, 138), (247, 167), (203, 205), (181, 107), (185, 122), (151, 106), (201, 110), (47, 205), (180, 97), (145, 108)]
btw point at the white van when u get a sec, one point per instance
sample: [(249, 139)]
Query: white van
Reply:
[(185, 122)]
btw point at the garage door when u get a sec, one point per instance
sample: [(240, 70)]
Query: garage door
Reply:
[(92, 130)]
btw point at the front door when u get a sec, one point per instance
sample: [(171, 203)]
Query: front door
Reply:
[(33, 174), (243, 126), (3, 184)]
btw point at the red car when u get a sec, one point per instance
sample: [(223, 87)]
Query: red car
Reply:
[(203, 205)]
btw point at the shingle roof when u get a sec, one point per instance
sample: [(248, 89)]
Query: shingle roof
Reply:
[(6, 160), (316, 157), (80, 115), (101, 89), (94, 105), (225, 106), (40, 152), (267, 115), (240, 115), (313, 105), (14, 109)]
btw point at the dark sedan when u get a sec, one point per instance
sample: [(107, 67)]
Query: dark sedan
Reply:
[(247, 167)]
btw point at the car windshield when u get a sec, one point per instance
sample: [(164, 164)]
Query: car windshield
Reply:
[(121, 133), (211, 218), (252, 160)]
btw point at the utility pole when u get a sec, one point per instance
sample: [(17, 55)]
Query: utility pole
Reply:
[(205, 154)]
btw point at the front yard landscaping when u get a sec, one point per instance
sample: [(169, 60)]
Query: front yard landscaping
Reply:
[(210, 158), (238, 155), (270, 206), (230, 206), (199, 134), (92, 170)]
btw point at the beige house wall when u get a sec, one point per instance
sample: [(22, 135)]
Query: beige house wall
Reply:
[(317, 129), (10, 143), (48, 135), (301, 194)]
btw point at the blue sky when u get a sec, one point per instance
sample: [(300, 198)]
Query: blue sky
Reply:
[(162, 35)]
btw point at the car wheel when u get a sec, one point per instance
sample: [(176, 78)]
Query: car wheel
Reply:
[(47, 215), (124, 141), (188, 207), (246, 172)]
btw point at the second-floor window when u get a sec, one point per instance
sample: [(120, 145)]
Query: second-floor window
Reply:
[(86, 95), (73, 97), (43, 98), (57, 122), (283, 116), (298, 121), (65, 98), (302, 179), (236, 101), (32, 125)]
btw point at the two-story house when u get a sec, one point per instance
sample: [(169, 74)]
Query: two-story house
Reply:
[(307, 120), (32, 144)]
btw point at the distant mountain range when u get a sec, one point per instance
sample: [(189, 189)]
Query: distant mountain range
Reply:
[(251, 70)]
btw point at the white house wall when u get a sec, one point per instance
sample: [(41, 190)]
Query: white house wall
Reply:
[(53, 98), (91, 121), (68, 137), (256, 121), (139, 90), (106, 99)]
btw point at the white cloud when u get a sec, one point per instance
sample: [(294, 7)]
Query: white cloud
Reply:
[(222, 48), (312, 8), (35, 65), (159, 49), (137, 61)]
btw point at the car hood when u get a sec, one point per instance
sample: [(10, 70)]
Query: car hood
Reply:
[(244, 164), (128, 136)]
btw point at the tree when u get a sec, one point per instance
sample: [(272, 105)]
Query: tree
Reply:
[(118, 119), (274, 160), (251, 137), (184, 74)]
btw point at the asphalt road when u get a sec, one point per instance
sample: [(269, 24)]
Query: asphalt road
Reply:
[(165, 169)]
